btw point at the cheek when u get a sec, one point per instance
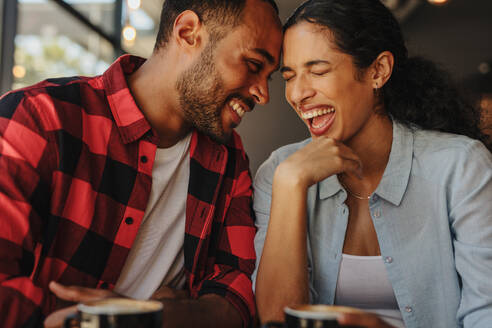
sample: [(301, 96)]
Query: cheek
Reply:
[(333, 87), (350, 93), (231, 78), (357, 108), (288, 94), (363, 99), (289, 100), (234, 77)]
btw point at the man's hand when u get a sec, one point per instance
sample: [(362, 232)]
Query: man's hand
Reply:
[(69, 295), (367, 320), (77, 294)]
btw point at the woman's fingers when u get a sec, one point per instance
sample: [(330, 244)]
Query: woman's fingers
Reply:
[(352, 166), (320, 159), (333, 157)]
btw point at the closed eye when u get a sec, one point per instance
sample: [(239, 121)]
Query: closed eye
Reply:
[(287, 76), (254, 66), (320, 73)]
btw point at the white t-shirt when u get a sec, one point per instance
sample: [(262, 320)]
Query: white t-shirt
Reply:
[(157, 257), (363, 283)]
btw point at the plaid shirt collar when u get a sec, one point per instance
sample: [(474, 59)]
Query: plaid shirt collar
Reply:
[(131, 123)]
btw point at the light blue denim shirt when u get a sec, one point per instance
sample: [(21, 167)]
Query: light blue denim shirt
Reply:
[(432, 212)]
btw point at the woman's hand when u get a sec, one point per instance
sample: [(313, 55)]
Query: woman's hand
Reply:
[(318, 160), (366, 320), (285, 242)]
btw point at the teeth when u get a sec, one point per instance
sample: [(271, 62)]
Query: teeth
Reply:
[(237, 108), (316, 113)]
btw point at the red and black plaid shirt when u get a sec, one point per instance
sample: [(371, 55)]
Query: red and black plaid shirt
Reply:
[(76, 157)]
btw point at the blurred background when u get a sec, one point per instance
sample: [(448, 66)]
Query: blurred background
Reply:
[(52, 38)]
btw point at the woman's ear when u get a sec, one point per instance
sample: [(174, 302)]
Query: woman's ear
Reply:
[(382, 69), (188, 30)]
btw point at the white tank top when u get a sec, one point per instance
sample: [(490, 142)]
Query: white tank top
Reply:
[(363, 283), (157, 256)]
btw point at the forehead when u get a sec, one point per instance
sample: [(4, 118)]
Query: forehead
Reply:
[(259, 10), (260, 28), (306, 41)]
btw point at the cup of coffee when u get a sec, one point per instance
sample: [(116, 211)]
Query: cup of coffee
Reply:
[(117, 313), (313, 316)]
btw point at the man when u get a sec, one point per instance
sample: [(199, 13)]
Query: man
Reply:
[(134, 183)]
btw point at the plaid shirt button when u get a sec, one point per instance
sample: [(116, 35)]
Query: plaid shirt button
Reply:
[(104, 285), (144, 159), (129, 220)]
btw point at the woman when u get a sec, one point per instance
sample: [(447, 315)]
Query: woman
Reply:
[(388, 207)]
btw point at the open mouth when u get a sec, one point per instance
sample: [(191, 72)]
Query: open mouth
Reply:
[(237, 107), (319, 119)]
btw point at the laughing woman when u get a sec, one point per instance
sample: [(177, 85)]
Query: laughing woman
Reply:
[(388, 207)]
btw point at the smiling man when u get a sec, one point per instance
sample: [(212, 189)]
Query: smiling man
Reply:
[(134, 183)]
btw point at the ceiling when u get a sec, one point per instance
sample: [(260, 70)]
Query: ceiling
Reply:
[(401, 8)]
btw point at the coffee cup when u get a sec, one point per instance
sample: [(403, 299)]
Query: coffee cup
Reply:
[(116, 313), (313, 316)]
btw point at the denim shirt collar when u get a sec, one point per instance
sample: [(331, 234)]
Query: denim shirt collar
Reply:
[(396, 175)]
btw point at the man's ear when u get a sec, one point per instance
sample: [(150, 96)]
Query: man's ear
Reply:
[(382, 67), (188, 30)]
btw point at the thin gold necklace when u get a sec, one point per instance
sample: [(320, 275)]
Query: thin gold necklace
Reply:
[(353, 193)]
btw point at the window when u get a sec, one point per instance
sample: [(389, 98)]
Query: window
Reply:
[(99, 12), (42, 39), (51, 43)]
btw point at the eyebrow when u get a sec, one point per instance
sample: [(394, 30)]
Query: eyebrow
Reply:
[(316, 62), (285, 69), (307, 65), (265, 54)]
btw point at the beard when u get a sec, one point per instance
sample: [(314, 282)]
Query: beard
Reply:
[(202, 96)]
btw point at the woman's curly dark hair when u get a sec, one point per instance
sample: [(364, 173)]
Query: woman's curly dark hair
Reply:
[(418, 92)]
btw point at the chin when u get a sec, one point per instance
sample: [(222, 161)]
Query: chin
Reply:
[(223, 138)]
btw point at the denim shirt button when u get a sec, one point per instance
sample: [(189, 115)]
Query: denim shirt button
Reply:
[(408, 309), (374, 199), (388, 259)]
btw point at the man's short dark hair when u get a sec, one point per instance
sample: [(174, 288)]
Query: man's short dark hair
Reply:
[(213, 13)]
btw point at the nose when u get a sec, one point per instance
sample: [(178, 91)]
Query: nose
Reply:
[(259, 91), (299, 90)]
